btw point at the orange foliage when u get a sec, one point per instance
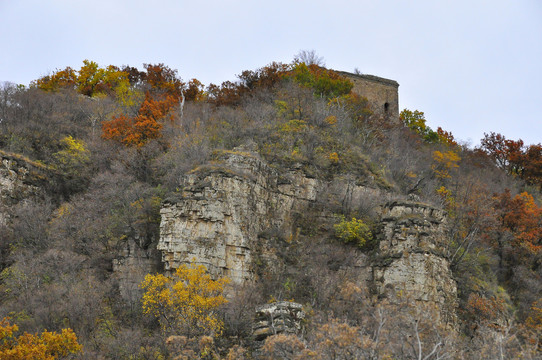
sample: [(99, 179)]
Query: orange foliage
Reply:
[(485, 310), (446, 137), (164, 80), (46, 346), (164, 93), (523, 218), (265, 77), (529, 164), (230, 93), (513, 157), (58, 80), (194, 92), (324, 82), (147, 125)]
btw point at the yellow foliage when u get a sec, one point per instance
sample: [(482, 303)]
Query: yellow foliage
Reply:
[(293, 126), (414, 120), (447, 197), (187, 302), (127, 96), (331, 120), (74, 147), (353, 231), (282, 107), (444, 163), (46, 346), (334, 157), (74, 153)]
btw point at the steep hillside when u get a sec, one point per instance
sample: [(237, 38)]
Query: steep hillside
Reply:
[(293, 213)]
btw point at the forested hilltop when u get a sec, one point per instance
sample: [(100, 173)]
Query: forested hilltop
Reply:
[(143, 216)]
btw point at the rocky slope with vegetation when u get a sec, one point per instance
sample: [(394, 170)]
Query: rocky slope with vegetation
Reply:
[(144, 217)]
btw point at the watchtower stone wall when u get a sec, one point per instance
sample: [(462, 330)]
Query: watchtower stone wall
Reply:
[(383, 94)]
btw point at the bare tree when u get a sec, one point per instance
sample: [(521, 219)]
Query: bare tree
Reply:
[(309, 57)]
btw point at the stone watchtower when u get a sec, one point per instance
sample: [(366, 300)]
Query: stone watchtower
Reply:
[(383, 94)]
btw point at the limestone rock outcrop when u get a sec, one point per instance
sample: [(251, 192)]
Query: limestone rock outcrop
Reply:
[(224, 207), (282, 317), (19, 179), (411, 257), (130, 267), (222, 210)]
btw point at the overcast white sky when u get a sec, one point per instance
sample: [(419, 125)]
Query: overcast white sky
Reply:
[(472, 66)]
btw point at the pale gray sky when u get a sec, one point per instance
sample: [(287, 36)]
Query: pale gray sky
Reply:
[(472, 66)]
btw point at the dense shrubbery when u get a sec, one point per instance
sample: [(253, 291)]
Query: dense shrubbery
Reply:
[(118, 140), (353, 231)]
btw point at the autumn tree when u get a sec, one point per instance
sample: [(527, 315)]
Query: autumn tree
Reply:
[(486, 311), (228, 93), (164, 90), (147, 125), (514, 157), (135, 76), (325, 83), (446, 137), (45, 346), (90, 79), (504, 152), (60, 79), (534, 322), (163, 80), (521, 217), (264, 78), (357, 107), (529, 164), (72, 162), (195, 91), (444, 163), (185, 303), (415, 121), (231, 93)]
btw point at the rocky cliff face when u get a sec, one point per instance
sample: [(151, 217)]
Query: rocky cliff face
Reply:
[(410, 259), (130, 267), (224, 207), (19, 179)]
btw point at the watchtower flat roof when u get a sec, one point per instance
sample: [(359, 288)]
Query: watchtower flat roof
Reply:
[(370, 78)]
